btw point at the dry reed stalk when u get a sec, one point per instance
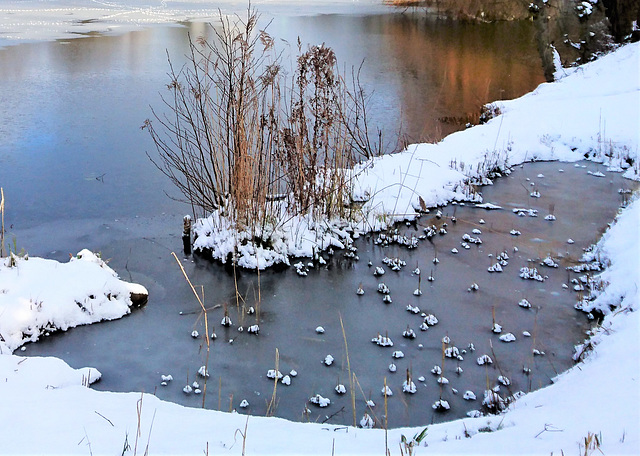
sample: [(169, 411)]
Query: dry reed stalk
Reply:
[(386, 420), (442, 369), (259, 292), (243, 434), (139, 418), (351, 388), (146, 448), (486, 371), (495, 358), (493, 317), (271, 406), (235, 283), (356, 381), (2, 229), (533, 346), (206, 325), (206, 362)]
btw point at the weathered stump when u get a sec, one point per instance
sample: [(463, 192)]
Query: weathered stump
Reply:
[(186, 234)]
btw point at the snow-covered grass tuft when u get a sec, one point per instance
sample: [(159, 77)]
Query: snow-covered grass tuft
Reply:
[(382, 341), (366, 421), (409, 387), (484, 359), (320, 401), (508, 337), (441, 405)]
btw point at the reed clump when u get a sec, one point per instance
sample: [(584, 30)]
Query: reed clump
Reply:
[(253, 147)]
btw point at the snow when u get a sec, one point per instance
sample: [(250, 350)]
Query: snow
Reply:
[(39, 296), (320, 401), (488, 206), (49, 409), (469, 395), (508, 337)]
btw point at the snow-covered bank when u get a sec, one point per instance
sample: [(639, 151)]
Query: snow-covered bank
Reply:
[(39, 296), (47, 410), (592, 113), (23, 21)]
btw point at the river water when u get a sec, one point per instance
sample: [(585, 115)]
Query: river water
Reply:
[(71, 110), (75, 174)]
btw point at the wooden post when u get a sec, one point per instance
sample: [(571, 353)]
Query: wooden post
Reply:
[(186, 234)]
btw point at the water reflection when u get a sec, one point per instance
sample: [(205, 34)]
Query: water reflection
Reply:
[(423, 70), (449, 70), (72, 109)]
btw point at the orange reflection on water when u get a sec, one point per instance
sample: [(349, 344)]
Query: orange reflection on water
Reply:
[(451, 69)]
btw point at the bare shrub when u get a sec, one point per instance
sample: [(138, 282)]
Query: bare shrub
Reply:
[(238, 141), (219, 138)]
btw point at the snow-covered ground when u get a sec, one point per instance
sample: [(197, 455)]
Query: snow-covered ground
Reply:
[(48, 409), (37, 20)]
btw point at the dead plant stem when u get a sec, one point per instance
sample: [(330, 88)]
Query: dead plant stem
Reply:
[(2, 229), (206, 325), (351, 388)]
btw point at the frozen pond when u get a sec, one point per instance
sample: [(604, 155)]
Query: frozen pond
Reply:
[(74, 172), (134, 352)]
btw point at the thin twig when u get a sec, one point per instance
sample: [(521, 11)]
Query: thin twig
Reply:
[(332, 415), (100, 414)]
